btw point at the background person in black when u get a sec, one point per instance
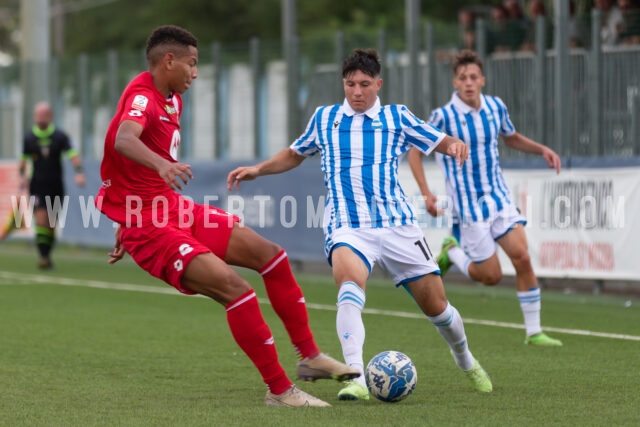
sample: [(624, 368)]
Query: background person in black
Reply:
[(44, 146)]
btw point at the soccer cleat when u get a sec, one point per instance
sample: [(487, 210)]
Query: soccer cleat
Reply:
[(324, 367), (443, 259), (294, 397), (543, 340), (353, 391), (45, 264), (9, 226), (479, 378)]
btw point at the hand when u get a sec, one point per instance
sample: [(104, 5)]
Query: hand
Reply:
[(118, 251), (23, 184), (80, 179), (459, 150), (243, 173), (431, 203), (170, 171), (553, 160)]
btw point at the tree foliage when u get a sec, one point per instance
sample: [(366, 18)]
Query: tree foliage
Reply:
[(123, 24)]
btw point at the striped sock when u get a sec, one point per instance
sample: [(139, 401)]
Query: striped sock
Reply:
[(254, 338), (530, 305), (351, 300), (449, 325), (289, 304), (460, 259)]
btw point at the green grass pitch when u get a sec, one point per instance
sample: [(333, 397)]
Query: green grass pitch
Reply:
[(90, 344)]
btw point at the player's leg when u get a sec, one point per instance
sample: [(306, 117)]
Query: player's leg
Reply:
[(11, 224), (208, 275), (478, 260), (350, 274), (409, 261), (515, 246), (45, 236), (428, 292), (242, 246)]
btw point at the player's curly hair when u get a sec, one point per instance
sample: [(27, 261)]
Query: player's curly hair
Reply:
[(466, 57), (365, 60), (168, 36)]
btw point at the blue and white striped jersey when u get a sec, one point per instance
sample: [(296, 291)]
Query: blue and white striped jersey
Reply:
[(359, 158), (478, 188)]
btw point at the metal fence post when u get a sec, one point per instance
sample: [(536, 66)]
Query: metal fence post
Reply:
[(541, 80), (339, 58), (382, 54), (634, 130), (259, 149), (563, 143), (596, 145), (86, 113), (431, 94), (112, 75), (218, 138), (413, 90)]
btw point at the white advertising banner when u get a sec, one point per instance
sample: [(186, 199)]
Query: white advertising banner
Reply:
[(581, 223)]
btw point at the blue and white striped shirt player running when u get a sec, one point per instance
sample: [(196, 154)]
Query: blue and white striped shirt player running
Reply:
[(359, 155), (478, 188)]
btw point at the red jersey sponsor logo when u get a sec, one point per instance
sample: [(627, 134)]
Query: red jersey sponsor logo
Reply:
[(140, 102)]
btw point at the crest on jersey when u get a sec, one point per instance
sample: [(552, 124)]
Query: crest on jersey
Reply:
[(169, 109), (376, 124), (140, 102)]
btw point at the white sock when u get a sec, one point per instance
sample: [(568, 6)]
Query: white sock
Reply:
[(450, 326), (351, 300), (530, 305), (460, 259)]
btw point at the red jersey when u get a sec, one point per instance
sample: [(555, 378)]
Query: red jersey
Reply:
[(128, 187)]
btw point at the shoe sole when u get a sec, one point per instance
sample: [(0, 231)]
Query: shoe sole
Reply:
[(311, 375), (350, 397)]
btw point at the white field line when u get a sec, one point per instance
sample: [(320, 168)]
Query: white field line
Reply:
[(8, 278)]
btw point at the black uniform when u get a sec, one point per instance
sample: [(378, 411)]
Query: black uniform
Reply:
[(45, 149)]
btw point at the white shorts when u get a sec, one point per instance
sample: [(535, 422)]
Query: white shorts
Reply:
[(401, 251), (478, 239)]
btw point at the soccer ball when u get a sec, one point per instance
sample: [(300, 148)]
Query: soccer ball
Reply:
[(391, 376)]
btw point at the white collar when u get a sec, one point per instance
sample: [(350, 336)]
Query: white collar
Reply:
[(372, 112), (464, 108)]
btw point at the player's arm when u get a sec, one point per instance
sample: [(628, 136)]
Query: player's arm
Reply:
[(519, 142), (22, 173), (414, 157), (285, 160), (451, 146), (76, 161), (118, 250), (129, 144)]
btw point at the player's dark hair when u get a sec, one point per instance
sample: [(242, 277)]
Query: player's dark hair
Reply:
[(365, 60), (168, 36), (466, 57)]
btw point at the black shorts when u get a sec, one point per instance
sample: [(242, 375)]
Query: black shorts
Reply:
[(41, 194)]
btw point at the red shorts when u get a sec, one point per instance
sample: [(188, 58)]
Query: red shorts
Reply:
[(164, 249)]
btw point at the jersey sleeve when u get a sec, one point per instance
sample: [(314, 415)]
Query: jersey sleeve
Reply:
[(422, 135), (506, 126), (136, 107), (306, 145), (436, 119)]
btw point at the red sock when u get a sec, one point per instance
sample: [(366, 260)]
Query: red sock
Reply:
[(254, 337), (288, 302)]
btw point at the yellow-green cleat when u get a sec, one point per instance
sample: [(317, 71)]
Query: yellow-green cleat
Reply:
[(543, 340), (479, 378), (353, 391), (443, 258)]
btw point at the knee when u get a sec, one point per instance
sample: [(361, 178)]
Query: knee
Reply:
[(522, 262), (492, 279)]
